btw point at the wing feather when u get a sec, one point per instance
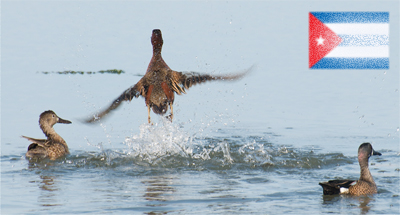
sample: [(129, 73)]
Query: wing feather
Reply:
[(179, 81), (40, 142), (332, 187)]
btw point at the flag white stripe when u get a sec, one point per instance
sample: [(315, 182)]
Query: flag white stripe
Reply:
[(364, 40), (359, 51), (360, 28)]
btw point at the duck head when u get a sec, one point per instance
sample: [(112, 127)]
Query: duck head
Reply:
[(156, 40), (49, 118), (365, 151)]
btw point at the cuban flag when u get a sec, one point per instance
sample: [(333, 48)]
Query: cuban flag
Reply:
[(348, 40)]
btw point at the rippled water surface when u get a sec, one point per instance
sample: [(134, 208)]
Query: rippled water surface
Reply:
[(165, 170), (259, 145)]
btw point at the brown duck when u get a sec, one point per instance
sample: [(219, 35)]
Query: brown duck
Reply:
[(160, 83), (363, 186), (54, 146)]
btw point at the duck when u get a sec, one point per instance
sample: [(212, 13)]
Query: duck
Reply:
[(54, 146), (363, 186), (159, 84)]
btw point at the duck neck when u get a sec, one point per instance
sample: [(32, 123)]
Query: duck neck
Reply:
[(157, 49), (51, 134), (365, 174), (157, 62), (157, 54)]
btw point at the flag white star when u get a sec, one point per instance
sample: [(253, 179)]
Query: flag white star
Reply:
[(320, 40)]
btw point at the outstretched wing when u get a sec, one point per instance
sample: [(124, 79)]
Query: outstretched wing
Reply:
[(134, 91), (179, 81)]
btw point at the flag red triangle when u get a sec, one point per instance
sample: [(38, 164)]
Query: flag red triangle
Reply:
[(321, 40)]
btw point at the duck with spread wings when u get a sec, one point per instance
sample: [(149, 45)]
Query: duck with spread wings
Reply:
[(159, 85)]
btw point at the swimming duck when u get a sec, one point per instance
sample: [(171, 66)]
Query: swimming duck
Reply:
[(363, 186), (54, 146), (160, 83)]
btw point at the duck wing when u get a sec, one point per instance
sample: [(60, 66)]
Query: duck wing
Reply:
[(134, 91), (332, 187), (40, 142), (179, 81)]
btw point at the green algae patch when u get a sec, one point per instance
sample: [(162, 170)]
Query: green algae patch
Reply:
[(71, 72)]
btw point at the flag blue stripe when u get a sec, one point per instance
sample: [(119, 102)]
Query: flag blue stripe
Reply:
[(352, 63), (352, 17), (364, 40)]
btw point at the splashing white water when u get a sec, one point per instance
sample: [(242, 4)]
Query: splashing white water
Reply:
[(168, 139), (159, 140)]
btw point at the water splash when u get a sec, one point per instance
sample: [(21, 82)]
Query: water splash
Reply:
[(168, 145), (159, 140), (165, 142)]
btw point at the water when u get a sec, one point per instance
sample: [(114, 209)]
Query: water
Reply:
[(259, 145), (165, 170)]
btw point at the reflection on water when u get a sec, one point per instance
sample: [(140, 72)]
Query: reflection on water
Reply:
[(158, 188), (48, 196), (47, 183), (362, 202)]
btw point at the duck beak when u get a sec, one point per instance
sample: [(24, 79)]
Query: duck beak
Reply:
[(64, 121), (375, 152)]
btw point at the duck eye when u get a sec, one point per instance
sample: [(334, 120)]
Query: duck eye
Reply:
[(54, 116)]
